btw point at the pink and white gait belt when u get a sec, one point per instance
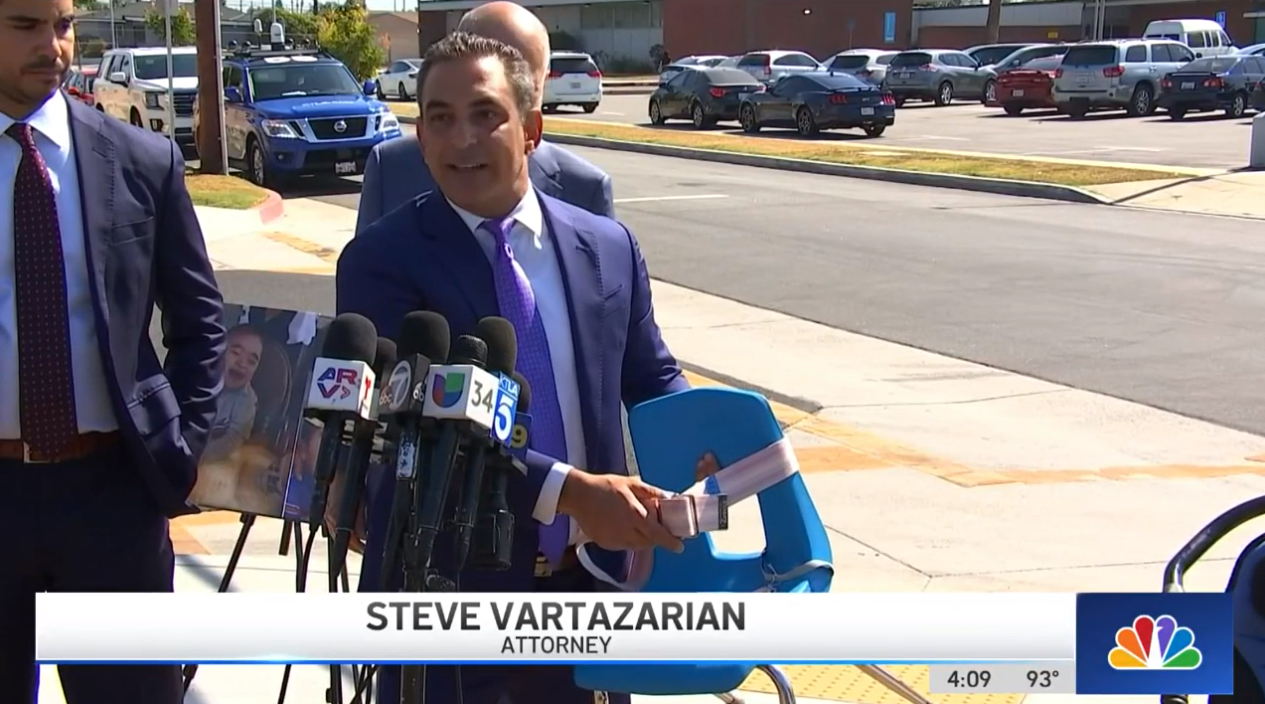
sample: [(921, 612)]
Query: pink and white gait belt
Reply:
[(704, 507)]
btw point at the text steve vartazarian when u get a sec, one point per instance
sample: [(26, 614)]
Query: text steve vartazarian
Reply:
[(528, 624)]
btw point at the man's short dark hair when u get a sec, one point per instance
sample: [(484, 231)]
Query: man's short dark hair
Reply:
[(463, 45)]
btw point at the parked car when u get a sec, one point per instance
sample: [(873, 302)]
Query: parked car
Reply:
[(731, 62), (299, 112), (812, 102), (939, 75), (1218, 83), (1254, 50), (1204, 37), (399, 79), (867, 64), (704, 96), (689, 62), (574, 79), (1258, 97), (1117, 74), (1016, 60), (768, 66), (993, 54), (78, 84), (133, 87), (1028, 87)]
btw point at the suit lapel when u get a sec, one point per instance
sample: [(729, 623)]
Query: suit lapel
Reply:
[(577, 252), (459, 254), (96, 164)]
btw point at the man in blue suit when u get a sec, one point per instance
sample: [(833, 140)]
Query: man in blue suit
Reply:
[(98, 440), (396, 172), (576, 289)]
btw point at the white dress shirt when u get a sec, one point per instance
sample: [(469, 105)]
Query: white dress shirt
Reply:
[(529, 240), (51, 125)]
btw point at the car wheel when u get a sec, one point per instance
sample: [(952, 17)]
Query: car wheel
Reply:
[(135, 119), (805, 123), (944, 95), (656, 113), (1013, 110), (1176, 113), (1140, 103), (990, 92), (256, 166), (874, 130), (698, 117), (900, 102), (746, 118), (401, 91), (590, 108), (1238, 106), (381, 94)]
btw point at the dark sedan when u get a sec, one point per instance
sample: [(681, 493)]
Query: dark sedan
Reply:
[(1213, 83), (812, 102), (704, 96)]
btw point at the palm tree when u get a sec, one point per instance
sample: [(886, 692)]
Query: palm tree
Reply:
[(994, 21)]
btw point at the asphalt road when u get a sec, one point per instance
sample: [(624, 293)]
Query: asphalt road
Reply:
[(1159, 308), (1198, 141)]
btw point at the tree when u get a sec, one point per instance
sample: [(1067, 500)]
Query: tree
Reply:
[(345, 32), (994, 21), (183, 32)]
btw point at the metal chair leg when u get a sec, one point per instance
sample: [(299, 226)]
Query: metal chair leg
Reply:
[(729, 698), (785, 693), (893, 683)]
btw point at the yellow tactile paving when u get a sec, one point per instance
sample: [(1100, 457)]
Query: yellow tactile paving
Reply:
[(841, 683)]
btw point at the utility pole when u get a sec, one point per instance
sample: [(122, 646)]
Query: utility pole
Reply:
[(211, 143)]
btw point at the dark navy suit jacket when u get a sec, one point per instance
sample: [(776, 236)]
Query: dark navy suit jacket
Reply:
[(145, 247), (423, 257), (396, 173)]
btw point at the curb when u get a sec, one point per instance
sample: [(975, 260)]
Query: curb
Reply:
[(1026, 189), (272, 208)]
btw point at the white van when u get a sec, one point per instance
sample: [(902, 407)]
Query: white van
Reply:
[(1204, 37)]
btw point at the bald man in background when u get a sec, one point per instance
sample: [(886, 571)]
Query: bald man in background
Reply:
[(396, 173)]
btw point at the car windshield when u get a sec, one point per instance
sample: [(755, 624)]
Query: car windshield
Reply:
[(1170, 37), (993, 54), (571, 65), (295, 80), (912, 58), (1090, 56), (730, 77), (838, 81), (1045, 63), (1212, 65), (152, 68), (850, 61)]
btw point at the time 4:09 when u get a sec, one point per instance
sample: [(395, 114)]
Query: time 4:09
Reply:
[(970, 679)]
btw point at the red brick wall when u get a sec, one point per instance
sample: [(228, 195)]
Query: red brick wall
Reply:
[(1238, 27), (963, 37), (433, 27), (737, 26)]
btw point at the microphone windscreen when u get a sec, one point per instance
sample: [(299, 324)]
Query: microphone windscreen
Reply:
[(351, 337), (385, 358), (469, 349), (502, 344), (524, 392), (426, 333)]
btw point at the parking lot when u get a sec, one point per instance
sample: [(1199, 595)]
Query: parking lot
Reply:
[(1200, 141)]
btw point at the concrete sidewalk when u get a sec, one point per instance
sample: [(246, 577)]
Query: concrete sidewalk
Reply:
[(929, 472)]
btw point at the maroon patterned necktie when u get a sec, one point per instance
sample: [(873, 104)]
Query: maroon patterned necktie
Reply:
[(46, 390)]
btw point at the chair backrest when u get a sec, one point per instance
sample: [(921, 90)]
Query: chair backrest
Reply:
[(670, 434)]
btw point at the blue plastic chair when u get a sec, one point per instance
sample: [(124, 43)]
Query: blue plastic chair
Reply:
[(669, 435)]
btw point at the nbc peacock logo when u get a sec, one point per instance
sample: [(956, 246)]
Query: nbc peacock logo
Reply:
[(1155, 644)]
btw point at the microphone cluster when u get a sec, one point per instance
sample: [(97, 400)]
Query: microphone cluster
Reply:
[(448, 415)]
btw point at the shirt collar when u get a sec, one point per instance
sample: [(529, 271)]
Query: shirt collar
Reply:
[(526, 214), (52, 119)]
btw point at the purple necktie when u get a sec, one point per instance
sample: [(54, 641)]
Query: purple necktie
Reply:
[(518, 305), (46, 393)]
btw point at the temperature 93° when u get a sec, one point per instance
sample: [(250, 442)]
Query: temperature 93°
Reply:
[(1007, 678)]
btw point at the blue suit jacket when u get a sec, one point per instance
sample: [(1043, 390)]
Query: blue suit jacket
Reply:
[(396, 173), (423, 257), (145, 247)]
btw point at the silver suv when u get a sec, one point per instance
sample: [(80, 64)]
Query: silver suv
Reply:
[(768, 66), (1116, 75)]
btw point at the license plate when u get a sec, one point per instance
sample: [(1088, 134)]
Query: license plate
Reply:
[(1082, 79), (867, 111), (345, 167), (575, 85), (1017, 93), (905, 74), (1188, 86)]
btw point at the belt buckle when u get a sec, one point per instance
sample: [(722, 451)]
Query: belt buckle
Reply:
[(26, 455), (543, 568)]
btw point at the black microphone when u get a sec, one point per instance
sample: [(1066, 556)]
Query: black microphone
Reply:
[(358, 457), (341, 390), (494, 532), (502, 356), (424, 340)]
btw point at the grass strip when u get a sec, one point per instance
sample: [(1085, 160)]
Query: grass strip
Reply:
[(786, 144), (230, 192)]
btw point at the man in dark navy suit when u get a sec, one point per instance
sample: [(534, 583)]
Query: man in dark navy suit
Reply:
[(98, 441), (575, 287)]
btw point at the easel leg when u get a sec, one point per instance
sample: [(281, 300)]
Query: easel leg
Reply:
[(248, 521)]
